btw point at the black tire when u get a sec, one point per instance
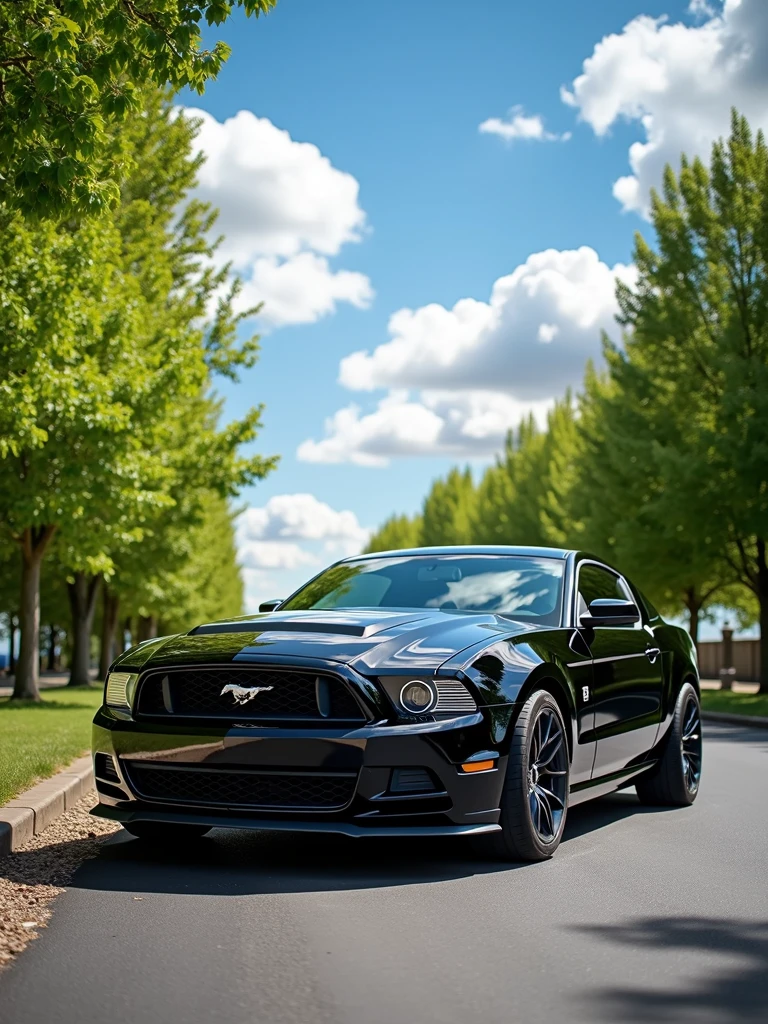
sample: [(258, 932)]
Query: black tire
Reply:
[(165, 831), (529, 832), (675, 781)]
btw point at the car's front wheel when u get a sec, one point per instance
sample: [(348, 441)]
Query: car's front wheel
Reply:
[(165, 831), (534, 800), (675, 781)]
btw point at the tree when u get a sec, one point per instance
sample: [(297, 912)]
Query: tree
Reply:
[(395, 533), (184, 574), (71, 71), (107, 349), (515, 501), (695, 363), (615, 491), (447, 512), (207, 585)]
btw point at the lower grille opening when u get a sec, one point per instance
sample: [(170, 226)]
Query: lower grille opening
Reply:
[(104, 768), (112, 791), (411, 780), (240, 788)]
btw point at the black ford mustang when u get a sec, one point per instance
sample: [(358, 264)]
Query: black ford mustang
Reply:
[(446, 691)]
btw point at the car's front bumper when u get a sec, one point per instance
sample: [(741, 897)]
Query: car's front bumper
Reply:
[(460, 803)]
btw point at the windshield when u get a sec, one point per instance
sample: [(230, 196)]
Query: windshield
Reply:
[(517, 586)]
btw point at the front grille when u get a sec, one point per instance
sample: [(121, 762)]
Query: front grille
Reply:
[(240, 788), (283, 694)]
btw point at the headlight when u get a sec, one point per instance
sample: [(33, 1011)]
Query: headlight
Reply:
[(120, 689), (446, 698), (418, 697)]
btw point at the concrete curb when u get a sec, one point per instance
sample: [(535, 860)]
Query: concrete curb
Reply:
[(755, 721), (29, 813)]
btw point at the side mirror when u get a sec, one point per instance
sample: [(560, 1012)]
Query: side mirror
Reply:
[(607, 611), (270, 606)]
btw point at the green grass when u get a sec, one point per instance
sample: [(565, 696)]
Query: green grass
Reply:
[(735, 703), (38, 739)]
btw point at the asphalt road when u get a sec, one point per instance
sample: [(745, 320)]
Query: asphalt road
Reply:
[(643, 915)]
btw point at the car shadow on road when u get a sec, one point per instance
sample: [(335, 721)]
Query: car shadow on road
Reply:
[(239, 862), (732, 984)]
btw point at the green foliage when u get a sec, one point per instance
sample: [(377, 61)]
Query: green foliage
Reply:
[(395, 533), (516, 499), (691, 386), (185, 573), (109, 435), (106, 356), (447, 514), (614, 490), (71, 72)]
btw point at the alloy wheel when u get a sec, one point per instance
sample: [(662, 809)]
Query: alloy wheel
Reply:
[(547, 775), (690, 745)]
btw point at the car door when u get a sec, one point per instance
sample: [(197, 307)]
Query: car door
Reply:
[(627, 675)]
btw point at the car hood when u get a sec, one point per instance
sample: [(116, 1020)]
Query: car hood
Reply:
[(371, 641)]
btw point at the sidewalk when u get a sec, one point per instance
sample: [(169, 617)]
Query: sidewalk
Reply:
[(48, 680), (715, 684)]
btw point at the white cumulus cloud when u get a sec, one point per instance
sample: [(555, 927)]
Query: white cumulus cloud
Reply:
[(459, 379), (284, 210), (300, 517), (301, 289), (286, 540), (292, 530), (530, 341), (271, 554), (678, 82), (470, 424), (519, 125)]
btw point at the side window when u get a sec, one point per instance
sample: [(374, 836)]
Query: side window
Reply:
[(595, 582)]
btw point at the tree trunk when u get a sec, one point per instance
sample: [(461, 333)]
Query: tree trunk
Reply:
[(53, 635), (111, 608), (147, 627), (33, 543), (693, 603), (82, 601), (762, 596)]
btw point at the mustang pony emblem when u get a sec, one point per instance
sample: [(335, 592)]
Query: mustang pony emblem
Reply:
[(243, 694)]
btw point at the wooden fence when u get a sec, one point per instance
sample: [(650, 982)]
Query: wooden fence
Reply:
[(745, 658)]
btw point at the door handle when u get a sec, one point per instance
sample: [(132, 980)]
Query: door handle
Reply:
[(652, 653)]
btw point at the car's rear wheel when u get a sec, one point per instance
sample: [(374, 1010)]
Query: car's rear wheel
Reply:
[(165, 831), (675, 781), (534, 801)]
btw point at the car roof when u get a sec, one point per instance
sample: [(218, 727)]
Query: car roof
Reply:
[(469, 549)]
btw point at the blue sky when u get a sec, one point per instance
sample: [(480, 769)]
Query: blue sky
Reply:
[(393, 96)]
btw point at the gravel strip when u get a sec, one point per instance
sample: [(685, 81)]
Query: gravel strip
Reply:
[(35, 874)]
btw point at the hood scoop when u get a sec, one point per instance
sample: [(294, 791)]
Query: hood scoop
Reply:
[(340, 626)]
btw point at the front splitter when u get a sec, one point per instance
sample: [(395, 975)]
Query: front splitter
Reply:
[(272, 825)]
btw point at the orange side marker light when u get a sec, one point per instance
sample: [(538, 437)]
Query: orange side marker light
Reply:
[(478, 766)]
